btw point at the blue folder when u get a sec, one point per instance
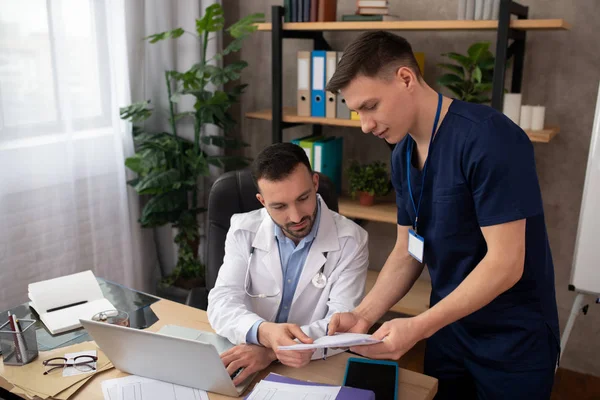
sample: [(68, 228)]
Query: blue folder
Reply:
[(317, 87), (327, 159)]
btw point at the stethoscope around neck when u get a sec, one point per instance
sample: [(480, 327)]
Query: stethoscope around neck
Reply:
[(319, 280)]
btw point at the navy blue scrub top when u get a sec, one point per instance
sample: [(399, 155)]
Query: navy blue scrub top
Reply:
[(481, 172)]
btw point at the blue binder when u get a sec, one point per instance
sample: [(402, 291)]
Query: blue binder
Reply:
[(327, 159), (317, 88)]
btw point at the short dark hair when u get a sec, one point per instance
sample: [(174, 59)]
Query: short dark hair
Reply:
[(371, 54), (277, 161)]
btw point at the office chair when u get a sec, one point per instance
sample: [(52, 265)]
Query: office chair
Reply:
[(232, 193)]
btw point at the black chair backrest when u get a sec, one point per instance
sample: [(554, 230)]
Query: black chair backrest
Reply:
[(232, 193)]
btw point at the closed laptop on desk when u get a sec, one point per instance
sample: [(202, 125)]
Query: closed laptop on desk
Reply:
[(167, 358)]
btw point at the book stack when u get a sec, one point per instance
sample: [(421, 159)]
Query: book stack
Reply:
[(371, 10), (309, 10)]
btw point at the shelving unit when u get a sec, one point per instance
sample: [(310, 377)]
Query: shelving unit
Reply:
[(506, 28), (444, 25), (290, 116)]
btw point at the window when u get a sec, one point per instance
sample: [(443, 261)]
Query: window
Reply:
[(54, 74)]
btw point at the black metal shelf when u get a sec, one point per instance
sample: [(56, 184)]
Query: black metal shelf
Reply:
[(504, 52)]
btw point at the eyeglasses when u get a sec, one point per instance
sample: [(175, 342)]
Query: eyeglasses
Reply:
[(80, 363)]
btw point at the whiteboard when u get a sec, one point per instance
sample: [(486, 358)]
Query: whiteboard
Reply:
[(585, 275)]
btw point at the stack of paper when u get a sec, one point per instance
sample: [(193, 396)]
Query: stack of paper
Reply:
[(62, 302), (53, 385), (138, 388), (337, 340)]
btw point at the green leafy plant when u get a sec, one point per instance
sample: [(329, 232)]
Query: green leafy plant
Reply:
[(369, 178), (169, 166), (471, 79)]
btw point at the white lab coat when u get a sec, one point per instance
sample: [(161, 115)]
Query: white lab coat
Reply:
[(232, 313)]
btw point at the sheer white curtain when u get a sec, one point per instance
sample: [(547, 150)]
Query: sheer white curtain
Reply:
[(64, 203), (148, 63)]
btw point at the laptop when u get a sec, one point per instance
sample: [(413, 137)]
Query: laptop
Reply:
[(192, 359)]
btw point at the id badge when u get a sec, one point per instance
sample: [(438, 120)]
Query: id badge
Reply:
[(416, 244)]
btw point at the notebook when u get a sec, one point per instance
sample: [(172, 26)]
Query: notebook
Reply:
[(62, 302)]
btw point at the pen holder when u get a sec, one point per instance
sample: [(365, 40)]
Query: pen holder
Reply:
[(18, 348)]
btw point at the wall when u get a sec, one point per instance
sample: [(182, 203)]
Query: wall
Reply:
[(561, 72)]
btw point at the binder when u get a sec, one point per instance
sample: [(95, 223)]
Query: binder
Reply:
[(330, 107), (308, 145), (354, 116), (328, 159), (317, 105), (303, 96), (341, 110)]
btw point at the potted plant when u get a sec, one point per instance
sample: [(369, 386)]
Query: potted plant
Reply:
[(169, 166), (368, 181), (472, 79)]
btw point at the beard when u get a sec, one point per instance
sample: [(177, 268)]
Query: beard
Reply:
[(303, 232)]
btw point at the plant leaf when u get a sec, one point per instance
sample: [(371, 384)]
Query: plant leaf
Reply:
[(463, 60), (246, 25), (457, 91), (476, 50), (449, 79), (174, 34), (458, 70), (159, 182), (212, 21), (476, 76), (137, 112), (483, 87), (134, 163)]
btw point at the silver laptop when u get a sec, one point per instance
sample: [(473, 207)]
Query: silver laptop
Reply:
[(192, 359)]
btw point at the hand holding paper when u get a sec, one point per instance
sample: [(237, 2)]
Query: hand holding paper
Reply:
[(337, 340)]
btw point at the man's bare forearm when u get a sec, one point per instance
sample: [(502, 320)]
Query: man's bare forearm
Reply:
[(397, 276)]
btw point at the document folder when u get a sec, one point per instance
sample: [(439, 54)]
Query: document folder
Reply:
[(317, 105), (342, 110), (330, 108), (303, 99)]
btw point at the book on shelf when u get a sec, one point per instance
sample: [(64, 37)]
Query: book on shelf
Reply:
[(366, 18), (372, 3), (372, 10)]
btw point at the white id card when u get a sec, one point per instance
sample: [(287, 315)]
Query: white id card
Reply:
[(416, 244)]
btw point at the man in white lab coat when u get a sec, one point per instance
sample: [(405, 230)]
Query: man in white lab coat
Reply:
[(287, 268)]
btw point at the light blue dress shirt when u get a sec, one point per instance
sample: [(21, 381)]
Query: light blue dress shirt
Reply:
[(292, 262)]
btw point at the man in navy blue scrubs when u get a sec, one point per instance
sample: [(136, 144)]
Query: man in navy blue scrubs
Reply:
[(470, 208)]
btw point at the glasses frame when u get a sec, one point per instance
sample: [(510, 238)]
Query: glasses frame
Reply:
[(66, 363)]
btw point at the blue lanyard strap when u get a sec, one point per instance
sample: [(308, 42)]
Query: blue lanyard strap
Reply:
[(409, 147)]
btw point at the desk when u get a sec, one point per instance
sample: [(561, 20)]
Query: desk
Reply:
[(412, 385)]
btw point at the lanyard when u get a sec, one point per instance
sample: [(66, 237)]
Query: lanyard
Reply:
[(409, 148)]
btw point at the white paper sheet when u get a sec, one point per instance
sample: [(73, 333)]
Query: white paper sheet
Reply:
[(337, 340), (138, 388), (266, 390), (72, 371)]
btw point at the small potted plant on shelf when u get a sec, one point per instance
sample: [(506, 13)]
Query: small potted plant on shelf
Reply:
[(368, 181), (470, 80)]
